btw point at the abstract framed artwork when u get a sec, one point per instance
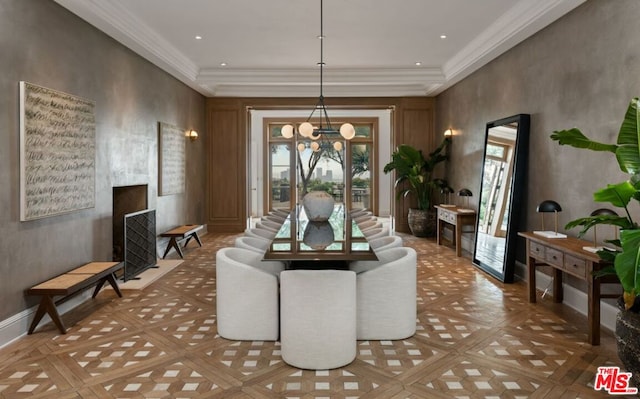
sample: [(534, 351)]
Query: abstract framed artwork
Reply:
[(171, 159), (57, 152)]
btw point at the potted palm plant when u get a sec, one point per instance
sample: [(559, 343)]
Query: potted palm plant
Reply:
[(414, 176), (625, 258)]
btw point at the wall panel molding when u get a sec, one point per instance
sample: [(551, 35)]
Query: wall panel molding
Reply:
[(228, 137)]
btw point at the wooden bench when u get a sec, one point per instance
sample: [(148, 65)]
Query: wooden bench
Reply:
[(70, 284), (187, 231)]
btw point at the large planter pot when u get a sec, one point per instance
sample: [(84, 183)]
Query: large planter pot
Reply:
[(422, 223), (628, 340)]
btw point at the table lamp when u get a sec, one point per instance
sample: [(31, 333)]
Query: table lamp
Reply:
[(548, 206), (466, 193), (446, 191), (600, 212)]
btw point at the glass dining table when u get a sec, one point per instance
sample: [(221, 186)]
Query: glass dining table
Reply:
[(334, 243)]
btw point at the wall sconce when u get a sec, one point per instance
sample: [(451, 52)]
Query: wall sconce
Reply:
[(466, 193), (549, 206), (448, 134), (601, 212), (192, 135)]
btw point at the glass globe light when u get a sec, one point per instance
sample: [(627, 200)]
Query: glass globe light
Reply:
[(347, 131), (287, 131), (315, 146), (301, 147), (337, 146), (306, 129)]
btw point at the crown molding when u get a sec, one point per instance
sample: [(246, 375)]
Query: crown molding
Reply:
[(279, 90), (117, 22), (519, 22), (336, 82)]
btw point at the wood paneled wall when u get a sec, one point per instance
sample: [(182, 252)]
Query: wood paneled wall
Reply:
[(227, 147)]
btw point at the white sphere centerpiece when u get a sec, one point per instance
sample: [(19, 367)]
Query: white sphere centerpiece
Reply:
[(318, 205)]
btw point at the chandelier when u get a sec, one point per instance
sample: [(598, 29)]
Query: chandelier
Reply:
[(324, 128)]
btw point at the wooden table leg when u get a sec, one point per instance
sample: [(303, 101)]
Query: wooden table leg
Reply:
[(531, 280), (457, 229), (197, 238), (558, 294), (593, 311), (47, 306), (439, 232), (173, 244), (111, 279), (193, 235)]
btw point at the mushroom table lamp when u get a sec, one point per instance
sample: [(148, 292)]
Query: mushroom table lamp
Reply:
[(548, 206), (446, 191), (466, 193), (600, 212)]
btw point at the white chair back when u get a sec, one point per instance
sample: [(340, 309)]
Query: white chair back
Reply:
[(376, 233), (318, 318), (382, 243), (387, 292), (247, 295), (260, 233), (252, 243)]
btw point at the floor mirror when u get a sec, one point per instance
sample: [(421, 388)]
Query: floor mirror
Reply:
[(503, 174)]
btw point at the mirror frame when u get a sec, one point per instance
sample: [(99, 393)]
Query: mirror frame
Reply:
[(516, 187)]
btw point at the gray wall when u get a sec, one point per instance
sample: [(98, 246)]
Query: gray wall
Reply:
[(44, 44), (581, 71)]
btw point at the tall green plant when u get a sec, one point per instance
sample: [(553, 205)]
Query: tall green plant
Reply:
[(413, 168), (626, 256)]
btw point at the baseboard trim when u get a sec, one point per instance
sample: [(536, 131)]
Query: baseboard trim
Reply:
[(17, 325), (573, 297)]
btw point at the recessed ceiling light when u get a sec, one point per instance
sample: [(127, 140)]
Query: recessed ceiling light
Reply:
[(443, 36), (418, 63), (222, 64), (198, 37)]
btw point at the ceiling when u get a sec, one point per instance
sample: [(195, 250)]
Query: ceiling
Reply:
[(270, 48)]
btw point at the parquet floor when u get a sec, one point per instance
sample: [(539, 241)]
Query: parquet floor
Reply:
[(476, 338)]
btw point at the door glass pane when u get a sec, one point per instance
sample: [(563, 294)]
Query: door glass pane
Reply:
[(360, 176), (320, 166), (275, 131), (363, 130), (279, 159)]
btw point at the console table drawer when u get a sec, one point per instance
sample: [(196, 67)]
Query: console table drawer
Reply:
[(575, 266), (448, 217), (536, 250), (554, 257)]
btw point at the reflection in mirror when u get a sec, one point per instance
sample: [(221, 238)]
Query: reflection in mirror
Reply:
[(503, 173)]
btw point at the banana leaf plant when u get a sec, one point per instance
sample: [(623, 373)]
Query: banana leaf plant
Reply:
[(625, 258), (413, 168)]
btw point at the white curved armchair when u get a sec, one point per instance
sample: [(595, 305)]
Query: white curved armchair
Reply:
[(377, 232), (318, 318), (260, 233), (383, 243), (253, 243), (247, 295), (386, 290), (269, 225), (365, 218), (275, 219), (369, 225)]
